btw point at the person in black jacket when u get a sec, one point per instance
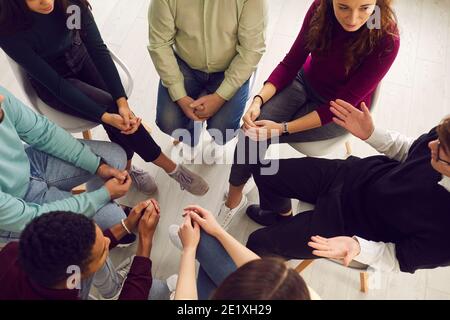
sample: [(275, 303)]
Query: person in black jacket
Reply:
[(389, 212), (58, 44)]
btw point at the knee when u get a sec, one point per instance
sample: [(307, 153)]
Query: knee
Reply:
[(117, 157), (167, 119), (256, 242)]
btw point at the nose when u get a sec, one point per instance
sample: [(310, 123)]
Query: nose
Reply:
[(354, 17)]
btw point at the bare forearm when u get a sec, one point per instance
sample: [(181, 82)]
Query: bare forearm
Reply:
[(308, 122), (144, 248), (237, 251), (267, 92), (186, 285)]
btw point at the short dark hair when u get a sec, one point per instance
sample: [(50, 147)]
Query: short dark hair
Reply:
[(263, 279), (15, 16), (52, 243), (444, 134)]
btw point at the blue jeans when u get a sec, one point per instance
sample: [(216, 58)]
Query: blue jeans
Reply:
[(170, 117), (109, 284), (52, 179), (215, 265)]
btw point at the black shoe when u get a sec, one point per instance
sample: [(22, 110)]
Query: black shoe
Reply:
[(127, 241), (264, 217)]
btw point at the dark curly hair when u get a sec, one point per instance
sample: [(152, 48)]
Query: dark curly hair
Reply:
[(263, 279), (15, 16), (53, 242)]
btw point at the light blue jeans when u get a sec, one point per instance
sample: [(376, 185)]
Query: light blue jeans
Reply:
[(215, 265), (170, 118), (109, 284), (52, 179)]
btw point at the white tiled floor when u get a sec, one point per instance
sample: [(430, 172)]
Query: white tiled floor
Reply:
[(415, 96)]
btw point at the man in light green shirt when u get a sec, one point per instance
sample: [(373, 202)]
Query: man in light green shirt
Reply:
[(205, 46), (37, 177)]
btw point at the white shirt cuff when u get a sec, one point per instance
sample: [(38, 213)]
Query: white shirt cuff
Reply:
[(378, 138), (368, 251)]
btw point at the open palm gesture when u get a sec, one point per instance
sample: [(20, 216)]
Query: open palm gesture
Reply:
[(357, 122)]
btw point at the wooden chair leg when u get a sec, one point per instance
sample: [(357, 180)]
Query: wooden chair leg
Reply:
[(303, 265), (348, 148), (364, 276), (79, 190), (87, 135)]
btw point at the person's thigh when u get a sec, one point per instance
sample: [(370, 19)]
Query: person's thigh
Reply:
[(286, 104), (169, 115), (214, 259), (326, 132), (224, 124), (65, 176), (205, 286), (289, 239), (304, 179)]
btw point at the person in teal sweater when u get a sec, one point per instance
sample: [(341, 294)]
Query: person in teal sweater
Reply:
[(41, 163)]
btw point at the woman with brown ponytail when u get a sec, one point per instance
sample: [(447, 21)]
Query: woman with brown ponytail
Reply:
[(343, 51)]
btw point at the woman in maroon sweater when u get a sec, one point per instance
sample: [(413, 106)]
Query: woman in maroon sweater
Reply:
[(343, 51)]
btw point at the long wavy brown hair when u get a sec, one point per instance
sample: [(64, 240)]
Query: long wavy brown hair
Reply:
[(324, 21), (15, 16)]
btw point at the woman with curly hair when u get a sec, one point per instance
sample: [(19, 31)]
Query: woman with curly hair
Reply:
[(343, 51)]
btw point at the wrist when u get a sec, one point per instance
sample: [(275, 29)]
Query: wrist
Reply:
[(144, 249), (106, 117), (190, 250)]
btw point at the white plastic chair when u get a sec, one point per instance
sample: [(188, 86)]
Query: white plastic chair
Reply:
[(325, 147), (70, 123)]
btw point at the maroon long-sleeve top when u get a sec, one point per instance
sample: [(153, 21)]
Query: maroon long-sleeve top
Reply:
[(16, 285), (325, 72)]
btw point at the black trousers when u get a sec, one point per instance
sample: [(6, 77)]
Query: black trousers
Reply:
[(77, 67), (316, 181)]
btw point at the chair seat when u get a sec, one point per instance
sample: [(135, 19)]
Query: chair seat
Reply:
[(319, 148), (70, 123)]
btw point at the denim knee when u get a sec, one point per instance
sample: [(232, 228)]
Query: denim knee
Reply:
[(117, 157)]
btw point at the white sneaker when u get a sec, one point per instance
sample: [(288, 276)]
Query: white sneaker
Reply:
[(188, 153), (249, 186), (213, 154), (174, 237), (226, 214), (172, 285)]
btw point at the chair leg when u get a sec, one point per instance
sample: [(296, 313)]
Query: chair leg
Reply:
[(87, 135), (176, 142), (364, 278), (348, 148), (303, 265)]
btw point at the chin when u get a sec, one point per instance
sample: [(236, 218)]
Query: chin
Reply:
[(351, 29)]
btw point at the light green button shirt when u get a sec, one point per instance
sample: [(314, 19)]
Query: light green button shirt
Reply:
[(210, 36)]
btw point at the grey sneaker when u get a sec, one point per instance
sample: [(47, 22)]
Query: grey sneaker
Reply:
[(143, 181), (190, 181)]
